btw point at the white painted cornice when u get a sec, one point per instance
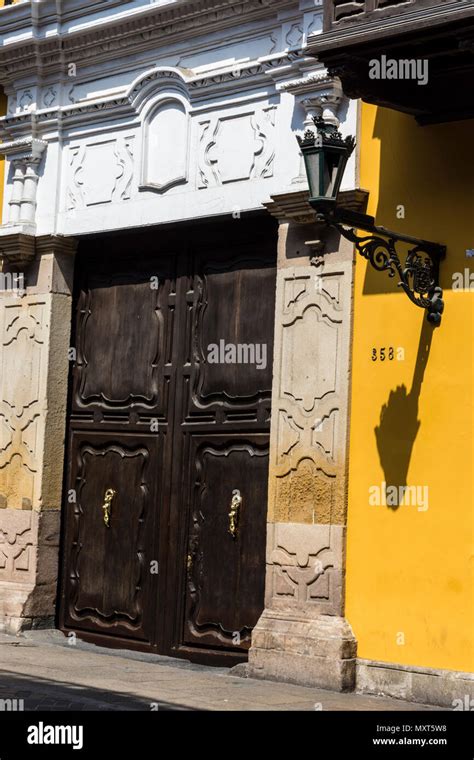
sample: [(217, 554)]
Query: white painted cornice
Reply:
[(125, 34), (311, 83), (26, 149), (26, 15), (196, 88)]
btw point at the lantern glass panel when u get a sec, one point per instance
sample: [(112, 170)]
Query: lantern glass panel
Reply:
[(313, 163), (331, 169)]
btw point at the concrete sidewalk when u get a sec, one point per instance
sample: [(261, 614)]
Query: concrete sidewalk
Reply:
[(47, 673)]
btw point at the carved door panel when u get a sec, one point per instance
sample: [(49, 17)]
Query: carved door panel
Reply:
[(226, 539), (120, 415), (111, 522), (222, 441)]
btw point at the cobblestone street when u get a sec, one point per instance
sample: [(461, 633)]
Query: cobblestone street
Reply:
[(47, 673)]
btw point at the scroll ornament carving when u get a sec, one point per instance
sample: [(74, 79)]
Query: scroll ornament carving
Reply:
[(254, 133), (21, 402), (49, 97), (86, 187), (306, 439), (16, 545), (295, 35), (305, 562), (296, 580)]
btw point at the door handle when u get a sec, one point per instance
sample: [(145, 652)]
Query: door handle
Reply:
[(234, 513), (108, 496)]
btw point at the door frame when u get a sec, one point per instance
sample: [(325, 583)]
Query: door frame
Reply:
[(170, 631)]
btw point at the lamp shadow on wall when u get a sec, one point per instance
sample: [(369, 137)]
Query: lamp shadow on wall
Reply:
[(401, 162), (399, 424)]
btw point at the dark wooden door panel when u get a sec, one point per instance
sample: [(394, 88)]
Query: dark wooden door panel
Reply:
[(124, 327), (233, 347), (120, 433), (108, 580), (221, 442), (225, 583)]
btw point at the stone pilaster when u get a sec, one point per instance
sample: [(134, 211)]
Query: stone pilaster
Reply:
[(26, 156), (320, 95), (302, 635), (35, 317)]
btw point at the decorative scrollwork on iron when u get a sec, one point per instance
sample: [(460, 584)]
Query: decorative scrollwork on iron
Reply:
[(418, 276)]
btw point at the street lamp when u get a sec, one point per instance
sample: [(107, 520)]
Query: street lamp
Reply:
[(325, 154), (325, 157)]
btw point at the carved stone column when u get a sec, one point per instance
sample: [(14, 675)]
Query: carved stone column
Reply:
[(34, 341), (320, 95), (26, 156), (302, 635)]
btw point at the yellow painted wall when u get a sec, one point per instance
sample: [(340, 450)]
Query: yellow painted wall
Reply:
[(409, 572)]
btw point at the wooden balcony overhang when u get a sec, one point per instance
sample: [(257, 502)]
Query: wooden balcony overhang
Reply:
[(442, 34)]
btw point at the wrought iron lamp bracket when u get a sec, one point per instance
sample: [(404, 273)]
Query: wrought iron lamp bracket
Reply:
[(418, 274)]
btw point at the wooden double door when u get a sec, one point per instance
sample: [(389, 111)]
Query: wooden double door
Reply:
[(168, 438)]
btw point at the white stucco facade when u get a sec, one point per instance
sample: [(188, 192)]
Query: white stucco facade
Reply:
[(156, 112)]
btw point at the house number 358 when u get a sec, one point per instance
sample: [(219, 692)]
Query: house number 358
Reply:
[(387, 354)]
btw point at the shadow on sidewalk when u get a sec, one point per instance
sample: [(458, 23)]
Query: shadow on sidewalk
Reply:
[(19, 692)]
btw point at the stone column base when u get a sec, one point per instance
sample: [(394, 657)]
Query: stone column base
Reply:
[(23, 607), (29, 545), (304, 648)]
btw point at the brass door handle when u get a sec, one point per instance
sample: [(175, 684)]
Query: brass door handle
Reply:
[(108, 496), (234, 513)]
